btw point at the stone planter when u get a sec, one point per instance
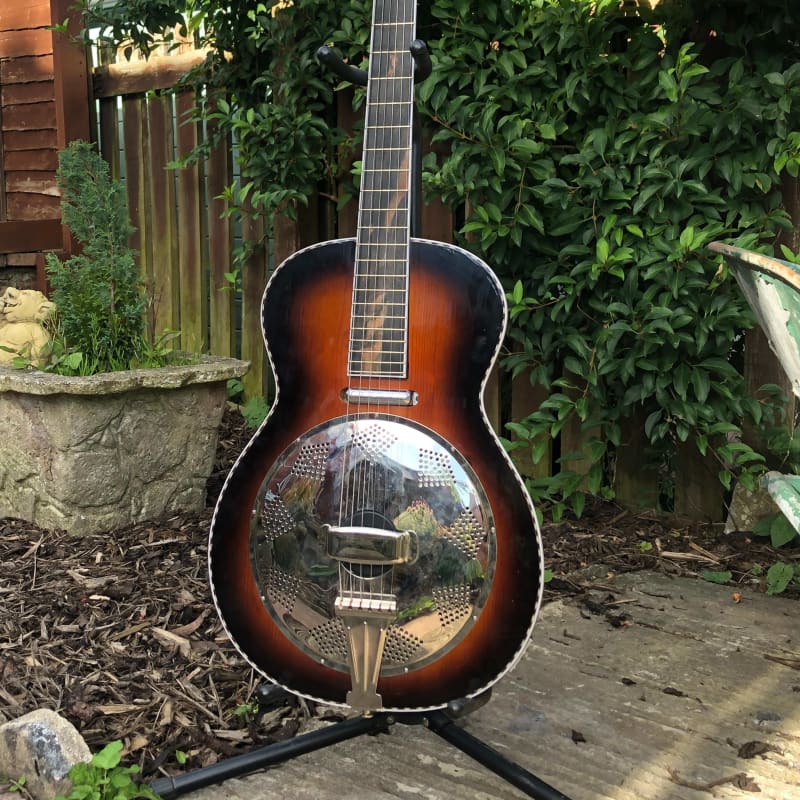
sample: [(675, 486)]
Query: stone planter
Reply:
[(97, 453)]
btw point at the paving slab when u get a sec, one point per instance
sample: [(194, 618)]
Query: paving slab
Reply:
[(662, 697)]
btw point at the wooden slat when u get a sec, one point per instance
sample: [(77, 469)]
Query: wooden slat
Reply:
[(22, 259), (30, 140), (220, 248), (32, 182), (29, 116), (193, 276), (525, 399), (28, 69), (18, 237), (136, 157), (33, 92), (28, 14), (437, 218), (635, 486), (698, 491), (161, 208), (254, 279), (31, 42), (437, 222), (32, 206), (109, 135), (31, 161), (574, 440)]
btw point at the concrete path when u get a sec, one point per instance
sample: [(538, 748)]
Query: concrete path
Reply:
[(674, 691)]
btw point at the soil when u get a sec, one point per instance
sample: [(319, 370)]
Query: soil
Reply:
[(118, 632)]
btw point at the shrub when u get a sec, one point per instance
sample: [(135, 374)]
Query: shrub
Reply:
[(100, 302)]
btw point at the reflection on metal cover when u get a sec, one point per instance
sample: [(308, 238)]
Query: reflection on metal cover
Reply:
[(359, 477)]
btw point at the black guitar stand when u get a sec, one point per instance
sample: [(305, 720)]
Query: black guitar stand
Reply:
[(270, 696), (442, 723)]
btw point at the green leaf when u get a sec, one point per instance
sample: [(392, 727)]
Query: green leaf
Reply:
[(578, 501), (779, 576), (547, 131), (717, 577), (109, 756), (539, 449), (781, 531)]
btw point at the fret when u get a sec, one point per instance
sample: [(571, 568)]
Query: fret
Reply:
[(375, 373), (400, 261), (386, 290), (391, 347), (383, 303)]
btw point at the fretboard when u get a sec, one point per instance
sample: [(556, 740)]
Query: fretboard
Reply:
[(379, 323)]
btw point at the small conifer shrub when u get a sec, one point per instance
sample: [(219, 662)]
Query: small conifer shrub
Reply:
[(100, 302)]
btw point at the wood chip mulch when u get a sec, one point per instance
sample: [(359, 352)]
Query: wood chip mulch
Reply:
[(117, 632)]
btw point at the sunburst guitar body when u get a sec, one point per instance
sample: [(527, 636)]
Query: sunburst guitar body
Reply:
[(373, 546)]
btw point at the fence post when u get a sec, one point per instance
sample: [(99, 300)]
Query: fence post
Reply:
[(254, 279), (525, 399), (192, 276), (222, 333), (634, 486), (698, 491), (137, 148), (161, 209)]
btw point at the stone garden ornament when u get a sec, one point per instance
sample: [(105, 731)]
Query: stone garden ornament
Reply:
[(22, 332)]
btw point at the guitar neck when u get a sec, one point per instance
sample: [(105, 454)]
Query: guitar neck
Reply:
[(379, 329)]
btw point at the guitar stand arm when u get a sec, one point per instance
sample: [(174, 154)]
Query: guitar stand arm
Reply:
[(347, 72)]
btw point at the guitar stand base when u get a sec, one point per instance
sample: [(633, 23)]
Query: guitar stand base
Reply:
[(438, 722)]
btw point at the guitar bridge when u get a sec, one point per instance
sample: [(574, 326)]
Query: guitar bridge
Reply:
[(383, 397)]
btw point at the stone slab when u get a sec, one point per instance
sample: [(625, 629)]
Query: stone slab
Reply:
[(644, 711)]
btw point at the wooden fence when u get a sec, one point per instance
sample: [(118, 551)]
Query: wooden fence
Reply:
[(186, 243)]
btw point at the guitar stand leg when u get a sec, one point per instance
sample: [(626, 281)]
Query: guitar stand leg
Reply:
[(512, 773), (268, 756)]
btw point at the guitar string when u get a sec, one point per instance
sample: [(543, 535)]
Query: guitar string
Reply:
[(376, 279), (358, 330)]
